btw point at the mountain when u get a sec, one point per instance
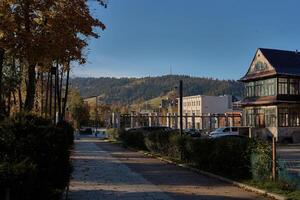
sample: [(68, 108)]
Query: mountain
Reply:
[(128, 90)]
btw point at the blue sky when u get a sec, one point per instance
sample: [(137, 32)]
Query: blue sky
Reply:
[(206, 38)]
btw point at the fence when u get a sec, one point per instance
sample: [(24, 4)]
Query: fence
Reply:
[(203, 122), (289, 171)]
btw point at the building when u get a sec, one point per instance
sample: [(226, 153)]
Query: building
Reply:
[(203, 107), (91, 101), (272, 100), (168, 106)]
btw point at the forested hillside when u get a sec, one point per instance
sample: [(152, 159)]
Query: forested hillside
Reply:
[(128, 90)]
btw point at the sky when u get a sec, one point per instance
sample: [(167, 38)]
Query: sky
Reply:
[(203, 38)]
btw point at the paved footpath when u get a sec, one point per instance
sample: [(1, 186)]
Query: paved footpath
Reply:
[(106, 171)]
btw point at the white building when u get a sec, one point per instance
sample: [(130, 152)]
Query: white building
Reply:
[(202, 105)]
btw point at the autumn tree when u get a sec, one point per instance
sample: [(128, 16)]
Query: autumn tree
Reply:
[(79, 110), (46, 36)]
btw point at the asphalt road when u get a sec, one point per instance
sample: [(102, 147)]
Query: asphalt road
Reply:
[(289, 155)]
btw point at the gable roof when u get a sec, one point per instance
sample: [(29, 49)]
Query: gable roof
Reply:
[(283, 62)]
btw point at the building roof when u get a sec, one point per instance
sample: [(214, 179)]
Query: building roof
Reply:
[(201, 95), (283, 63)]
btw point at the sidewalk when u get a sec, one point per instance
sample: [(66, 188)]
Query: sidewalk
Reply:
[(98, 175), (106, 171)]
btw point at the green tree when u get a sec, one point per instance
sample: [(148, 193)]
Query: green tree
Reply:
[(79, 110)]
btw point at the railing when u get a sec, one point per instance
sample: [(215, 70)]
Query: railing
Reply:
[(203, 122)]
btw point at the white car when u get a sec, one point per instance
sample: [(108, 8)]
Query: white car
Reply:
[(225, 131)]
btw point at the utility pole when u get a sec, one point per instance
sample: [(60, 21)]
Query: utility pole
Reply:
[(180, 107)]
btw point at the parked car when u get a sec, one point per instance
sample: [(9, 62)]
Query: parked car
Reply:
[(192, 132), (225, 131), (231, 136), (86, 131), (146, 129), (156, 128)]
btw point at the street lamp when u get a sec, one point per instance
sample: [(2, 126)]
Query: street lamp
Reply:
[(180, 107)]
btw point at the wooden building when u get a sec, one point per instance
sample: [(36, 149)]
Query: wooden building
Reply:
[(272, 100)]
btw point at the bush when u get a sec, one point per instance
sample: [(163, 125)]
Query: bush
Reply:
[(177, 146), (157, 142), (261, 161), (199, 152), (230, 157), (114, 134), (133, 139), (34, 157)]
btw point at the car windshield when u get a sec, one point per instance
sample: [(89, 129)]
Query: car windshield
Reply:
[(219, 130)]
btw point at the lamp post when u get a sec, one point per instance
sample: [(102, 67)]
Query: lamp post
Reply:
[(180, 107)]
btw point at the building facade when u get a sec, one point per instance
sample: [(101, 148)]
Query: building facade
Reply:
[(272, 95), (202, 107)]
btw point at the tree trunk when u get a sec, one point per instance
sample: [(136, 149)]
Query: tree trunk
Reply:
[(2, 106), (51, 93), (14, 97), (42, 93), (20, 99), (66, 92), (60, 95), (37, 94), (55, 92), (47, 93), (30, 90), (8, 107), (58, 92)]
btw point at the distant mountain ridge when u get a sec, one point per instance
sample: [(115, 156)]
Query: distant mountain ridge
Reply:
[(129, 90)]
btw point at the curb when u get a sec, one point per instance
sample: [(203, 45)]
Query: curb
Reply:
[(221, 178)]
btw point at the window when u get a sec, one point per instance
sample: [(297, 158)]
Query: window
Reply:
[(269, 87), (289, 117), (260, 117), (270, 116), (249, 117), (250, 89), (282, 86), (294, 86), (258, 88), (283, 117), (294, 116), (234, 129), (226, 130), (259, 66), (261, 88)]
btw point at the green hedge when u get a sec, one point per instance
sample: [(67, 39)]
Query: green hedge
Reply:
[(230, 157), (114, 134), (34, 157)]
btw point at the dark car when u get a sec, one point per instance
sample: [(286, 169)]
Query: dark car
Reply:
[(192, 132), (146, 129), (156, 128), (86, 131), (231, 136)]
